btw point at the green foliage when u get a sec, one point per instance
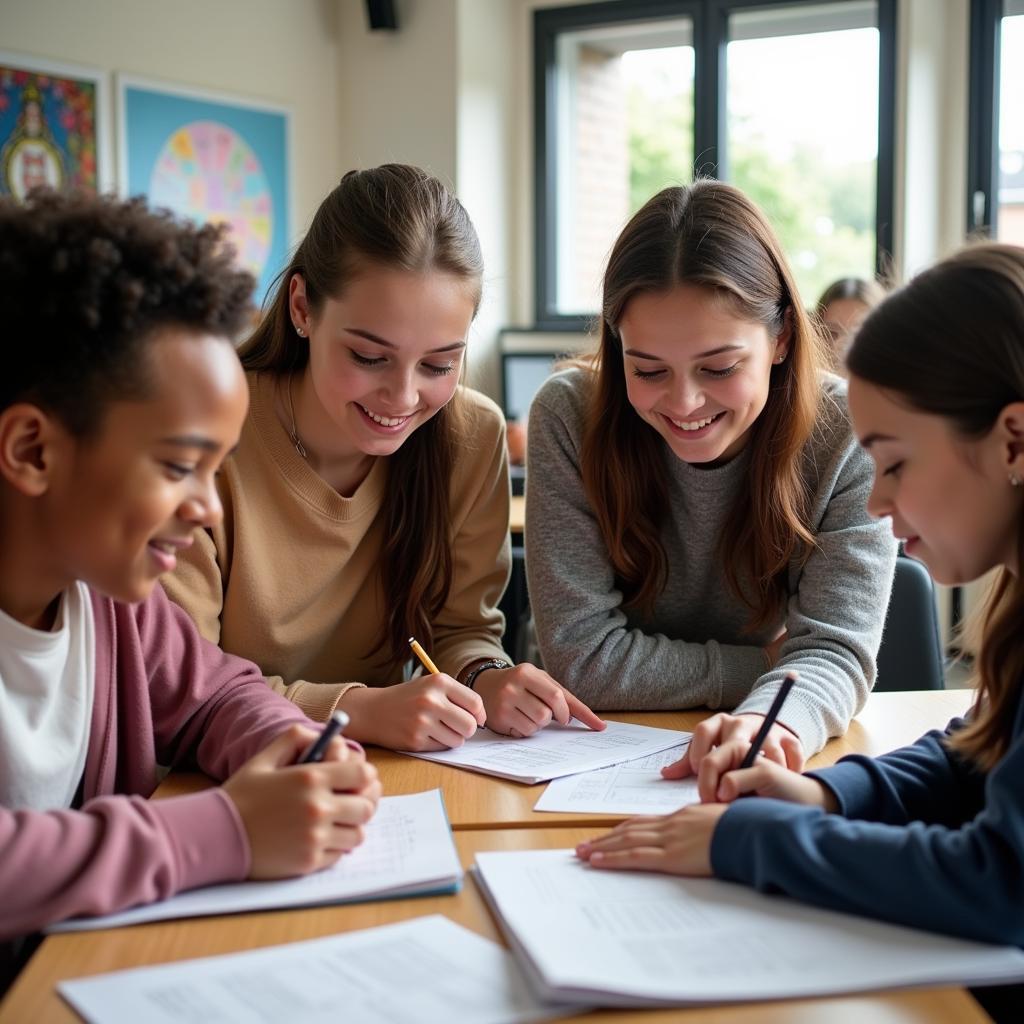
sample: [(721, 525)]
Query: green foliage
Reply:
[(660, 143), (823, 212)]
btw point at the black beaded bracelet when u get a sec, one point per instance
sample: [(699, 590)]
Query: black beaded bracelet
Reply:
[(470, 680)]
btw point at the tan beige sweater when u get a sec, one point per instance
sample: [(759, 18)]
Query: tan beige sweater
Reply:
[(290, 578)]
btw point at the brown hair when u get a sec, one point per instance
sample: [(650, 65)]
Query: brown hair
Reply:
[(393, 216), (862, 289), (928, 344), (706, 234)]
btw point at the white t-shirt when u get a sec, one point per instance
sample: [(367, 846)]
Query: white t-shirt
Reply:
[(46, 692)]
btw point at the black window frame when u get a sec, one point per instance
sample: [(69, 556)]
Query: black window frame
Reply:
[(710, 20), (983, 116)]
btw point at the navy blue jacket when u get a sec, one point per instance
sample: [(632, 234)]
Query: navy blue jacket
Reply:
[(922, 838)]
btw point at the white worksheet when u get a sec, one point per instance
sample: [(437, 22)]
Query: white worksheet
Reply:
[(425, 971), (633, 787), (554, 751), (633, 939), (408, 850)]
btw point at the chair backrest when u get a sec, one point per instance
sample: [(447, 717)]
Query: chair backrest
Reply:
[(910, 657)]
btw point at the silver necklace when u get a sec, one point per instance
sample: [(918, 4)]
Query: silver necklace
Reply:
[(293, 433)]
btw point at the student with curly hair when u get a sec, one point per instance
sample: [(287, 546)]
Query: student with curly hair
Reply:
[(118, 404)]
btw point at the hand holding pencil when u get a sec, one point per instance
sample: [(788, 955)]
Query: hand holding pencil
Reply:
[(521, 699)]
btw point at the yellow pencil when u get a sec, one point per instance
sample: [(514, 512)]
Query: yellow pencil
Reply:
[(423, 656)]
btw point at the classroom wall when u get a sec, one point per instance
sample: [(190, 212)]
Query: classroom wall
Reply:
[(437, 93), (282, 52)]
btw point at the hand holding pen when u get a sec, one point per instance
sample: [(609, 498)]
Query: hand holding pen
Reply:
[(302, 803), (333, 726)]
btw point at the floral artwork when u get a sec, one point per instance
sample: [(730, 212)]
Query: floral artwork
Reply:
[(48, 130)]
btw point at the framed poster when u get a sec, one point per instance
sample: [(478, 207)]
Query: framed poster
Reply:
[(214, 159), (53, 126)]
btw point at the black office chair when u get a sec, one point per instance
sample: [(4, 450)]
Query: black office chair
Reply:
[(910, 657)]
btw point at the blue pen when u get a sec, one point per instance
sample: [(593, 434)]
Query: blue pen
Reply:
[(318, 747)]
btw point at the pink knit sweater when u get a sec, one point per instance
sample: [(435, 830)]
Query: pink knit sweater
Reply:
[(163, 696)]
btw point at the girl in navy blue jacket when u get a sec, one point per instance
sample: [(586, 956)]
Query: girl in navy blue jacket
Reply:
[(931, 835)]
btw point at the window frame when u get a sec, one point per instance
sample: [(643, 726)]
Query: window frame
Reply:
[(983, 113), (710, 21)]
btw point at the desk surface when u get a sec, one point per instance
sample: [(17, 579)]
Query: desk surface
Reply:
[(474, 801), (74, 955)]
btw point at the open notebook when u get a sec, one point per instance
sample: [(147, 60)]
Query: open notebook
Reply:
[(408, 851), (632, 939)]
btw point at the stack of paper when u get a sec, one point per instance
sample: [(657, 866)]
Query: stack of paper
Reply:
[(635, 787), (554, 751), (631, 939), (424, 971), (408, 851)]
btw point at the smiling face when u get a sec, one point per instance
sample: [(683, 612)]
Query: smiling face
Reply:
[(696, 372), (949, 498), (384, 358), (123, 501)]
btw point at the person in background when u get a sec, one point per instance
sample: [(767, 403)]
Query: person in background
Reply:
[(117, 407), (695, 521), (368, 501), (932, 835), (841, 309)]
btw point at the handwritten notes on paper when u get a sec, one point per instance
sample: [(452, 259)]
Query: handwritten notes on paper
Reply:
[(555, 751), (408, 851)]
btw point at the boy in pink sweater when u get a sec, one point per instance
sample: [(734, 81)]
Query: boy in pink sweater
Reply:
[(120, 397)]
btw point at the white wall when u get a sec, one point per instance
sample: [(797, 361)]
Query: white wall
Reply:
[(269, 50), (437, 93), (397, 90), (931, 125)]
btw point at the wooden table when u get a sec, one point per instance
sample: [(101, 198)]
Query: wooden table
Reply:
[(475, 801), (888, 721), (73, 955)]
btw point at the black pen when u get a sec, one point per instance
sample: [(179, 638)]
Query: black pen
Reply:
[(769, 719), (318, 747)]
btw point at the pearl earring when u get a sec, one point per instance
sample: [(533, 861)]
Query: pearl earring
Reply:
[(299, 331), (1015, 480)]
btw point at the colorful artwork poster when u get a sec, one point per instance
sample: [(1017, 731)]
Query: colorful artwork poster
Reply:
[(215, 162), (47, 131)]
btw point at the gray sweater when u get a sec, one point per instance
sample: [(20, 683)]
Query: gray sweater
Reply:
[(693, 650)]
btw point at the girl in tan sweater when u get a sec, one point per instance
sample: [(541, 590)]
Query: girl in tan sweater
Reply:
[(368, 499)]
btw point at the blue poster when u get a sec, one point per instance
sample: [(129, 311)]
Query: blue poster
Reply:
[(215, 162)]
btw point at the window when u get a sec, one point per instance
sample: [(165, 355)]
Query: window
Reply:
[(996, 158), (790, 101)]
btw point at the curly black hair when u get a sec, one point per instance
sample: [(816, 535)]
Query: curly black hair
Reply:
[(87, 281)]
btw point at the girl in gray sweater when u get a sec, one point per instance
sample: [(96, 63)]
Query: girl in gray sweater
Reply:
[(696, 519)]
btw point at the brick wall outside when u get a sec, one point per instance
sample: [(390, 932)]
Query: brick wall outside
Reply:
[(601, 180)]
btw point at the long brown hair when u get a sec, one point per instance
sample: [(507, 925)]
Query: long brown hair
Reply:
[(951, 343), (400, 217), (707, 234)]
